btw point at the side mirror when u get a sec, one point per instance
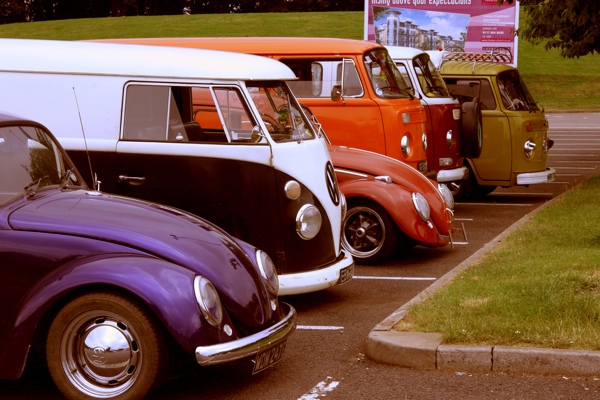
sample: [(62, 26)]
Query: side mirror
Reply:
[(336, 92), (256, 135)]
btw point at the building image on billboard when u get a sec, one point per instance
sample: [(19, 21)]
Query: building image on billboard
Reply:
[(425, 30)]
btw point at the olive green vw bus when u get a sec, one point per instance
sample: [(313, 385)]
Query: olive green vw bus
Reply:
[(515, 128)]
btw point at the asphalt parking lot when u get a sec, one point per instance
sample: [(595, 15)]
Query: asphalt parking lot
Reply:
[(325, 357)]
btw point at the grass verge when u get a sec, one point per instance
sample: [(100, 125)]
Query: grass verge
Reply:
[(539, 287)]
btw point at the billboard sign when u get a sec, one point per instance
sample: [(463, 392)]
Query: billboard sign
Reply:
[(479, 26)]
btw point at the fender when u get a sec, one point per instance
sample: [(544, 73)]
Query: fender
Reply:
[(397, 201), (165, 288)]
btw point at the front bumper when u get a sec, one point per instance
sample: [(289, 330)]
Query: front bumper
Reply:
[(250, 345), (452, 175), (533, 178), (339, 272)]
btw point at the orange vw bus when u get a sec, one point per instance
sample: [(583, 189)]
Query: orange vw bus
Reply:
[(350, 85)]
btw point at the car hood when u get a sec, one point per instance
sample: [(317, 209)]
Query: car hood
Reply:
[(402, 174), (164, 232), (380, 165)]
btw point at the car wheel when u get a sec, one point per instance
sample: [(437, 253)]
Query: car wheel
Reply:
[(369, 234), (104, 345), (469, 188), (471, 132)]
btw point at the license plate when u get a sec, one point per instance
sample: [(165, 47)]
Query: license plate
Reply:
[(268, 357), (423, 166), (346, 274)]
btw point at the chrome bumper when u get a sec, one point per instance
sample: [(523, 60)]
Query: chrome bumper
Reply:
[(452, 175), (536, 177), (250, 345)]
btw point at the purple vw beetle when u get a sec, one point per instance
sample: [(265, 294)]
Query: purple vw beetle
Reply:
[(113, 289)]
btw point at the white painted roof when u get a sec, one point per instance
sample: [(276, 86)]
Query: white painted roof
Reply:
[(56, 56), (404, 53)]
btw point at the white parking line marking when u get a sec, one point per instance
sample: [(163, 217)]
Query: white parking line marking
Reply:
[(497, 204), (321, 389), (575, 167), (506, 194), (319, 328), (395, 278)]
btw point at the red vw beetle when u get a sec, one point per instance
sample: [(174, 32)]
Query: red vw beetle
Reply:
[(390, 204)]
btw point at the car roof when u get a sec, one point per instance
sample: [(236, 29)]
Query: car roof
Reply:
[(13, 119), (297, 46), (473, 68), (401, 52), (82, 57)]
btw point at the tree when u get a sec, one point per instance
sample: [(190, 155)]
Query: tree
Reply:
[(573, 26)]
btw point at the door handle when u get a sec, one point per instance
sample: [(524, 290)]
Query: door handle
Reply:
[(132, 180)]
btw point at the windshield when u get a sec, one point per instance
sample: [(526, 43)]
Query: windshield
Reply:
[(279, 110), (430, 79), (31, 161), (514, 93), (383, 74)]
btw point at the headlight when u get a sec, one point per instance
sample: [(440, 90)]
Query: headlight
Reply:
[(421, 206), (343, 205), (308, 221), (446, 195), (449, 138), (405, 145), (529, 148), (267, 270), (208, 300), (424, 140)]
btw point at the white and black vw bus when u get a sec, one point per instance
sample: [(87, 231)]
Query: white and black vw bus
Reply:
[(206, 131)]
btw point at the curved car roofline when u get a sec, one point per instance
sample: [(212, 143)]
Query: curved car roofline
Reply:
[(91, 58), (296, 46), (401, 52)]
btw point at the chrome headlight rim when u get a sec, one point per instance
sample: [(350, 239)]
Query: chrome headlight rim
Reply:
[(343, 206), (422, 206), (447, 195), (405, 145), (208, 301), (529, 148), (268, 271), (308, 221), (450, 139), (424, 140)]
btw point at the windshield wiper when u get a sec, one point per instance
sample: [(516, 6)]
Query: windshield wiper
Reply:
[(32, 188), (64, 180)]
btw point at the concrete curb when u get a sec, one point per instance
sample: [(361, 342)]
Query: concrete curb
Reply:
[(425, 351)]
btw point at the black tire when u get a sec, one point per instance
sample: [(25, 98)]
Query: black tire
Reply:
[(471, 129), (369, 234), (85, 364), (469, 189)]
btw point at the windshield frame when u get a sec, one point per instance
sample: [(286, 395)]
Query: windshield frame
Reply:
[(385, 82), (33, 161), (273, 101), (429, 77)]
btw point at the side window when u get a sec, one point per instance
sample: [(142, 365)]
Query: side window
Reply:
[(351, 85), (467, 89), (186, 114), (316, 77), (146, 113), (404, 75), (223, 114)]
